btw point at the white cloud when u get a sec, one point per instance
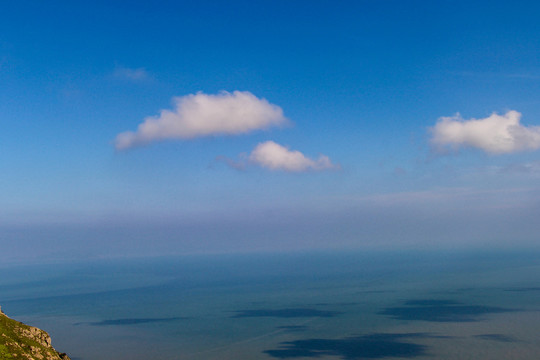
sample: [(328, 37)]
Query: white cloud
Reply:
[(496, 134), (138, 74), (238, 165), (205, 115), (532, 168), (277, 157)]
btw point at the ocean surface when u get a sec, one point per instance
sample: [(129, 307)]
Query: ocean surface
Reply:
[(354, 305)]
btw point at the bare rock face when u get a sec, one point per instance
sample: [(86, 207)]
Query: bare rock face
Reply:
[(20, 341), (38, 335)]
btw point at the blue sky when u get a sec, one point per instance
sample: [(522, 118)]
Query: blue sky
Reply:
[(352, 142)]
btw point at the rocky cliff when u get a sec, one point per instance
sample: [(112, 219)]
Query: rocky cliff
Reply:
[(22, 342)]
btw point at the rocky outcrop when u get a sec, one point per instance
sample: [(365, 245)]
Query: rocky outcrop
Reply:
[(22, 342)]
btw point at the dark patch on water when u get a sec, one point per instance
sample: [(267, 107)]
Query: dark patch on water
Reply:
[(376, 291), (495, 337), (464, 289), (523, 289), (431, 302), (293, 328), (336, 304), (285, 313), (257, 302), (372, 346), (440, 311), (131, 321)]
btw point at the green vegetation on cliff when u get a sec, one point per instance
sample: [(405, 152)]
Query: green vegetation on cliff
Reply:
[(20, 341)]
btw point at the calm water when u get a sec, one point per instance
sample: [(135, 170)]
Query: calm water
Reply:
[(302, 306)]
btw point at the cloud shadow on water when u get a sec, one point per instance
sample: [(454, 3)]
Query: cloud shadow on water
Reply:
[(131, 321), (431, 302), (523, 289), (336, 304), (495, 337), (285, 313), (372, 346), (440, 311), (293, 328)]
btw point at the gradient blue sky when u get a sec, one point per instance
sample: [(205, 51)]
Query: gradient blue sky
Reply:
[(362, 82)]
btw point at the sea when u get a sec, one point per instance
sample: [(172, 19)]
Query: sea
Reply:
[(312, 305)]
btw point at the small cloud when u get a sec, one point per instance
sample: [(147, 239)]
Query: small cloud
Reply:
[(524, 168), (202, 115), (139, 74), (496, 134), (277, 157), (238, 165), (399, 171)]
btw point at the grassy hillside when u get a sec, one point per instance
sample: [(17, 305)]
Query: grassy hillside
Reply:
[(20, 341)]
